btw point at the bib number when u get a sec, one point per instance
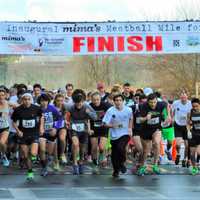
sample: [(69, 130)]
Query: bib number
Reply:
[(78, 127), (28, 123), (153, 121)]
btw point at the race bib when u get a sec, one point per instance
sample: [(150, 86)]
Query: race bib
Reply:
[(28, 123), (3, 123), (197, 126), (153, 121), (138, 120), (48, 126), (183, 119), (78, 127), (97, 124)]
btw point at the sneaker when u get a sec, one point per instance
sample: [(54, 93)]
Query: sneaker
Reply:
[(184, 163), (115, 174), (63, 159), (177, 160), (123, 169), (156, 169), (101, 157), (44, 172), (141, 171), (30, 176), (56, 166), (95, 169), (169, 155), (5, 161), (75, 170), (81, 169), (194, 171)]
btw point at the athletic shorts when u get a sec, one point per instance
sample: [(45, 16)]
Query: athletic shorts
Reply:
[(148, 134), (100, 134), (4, 129), (28, 140), (12, 138), (82, 136), (180, 131), (48, 137), (168, 134), (195, 141), (136, 132)]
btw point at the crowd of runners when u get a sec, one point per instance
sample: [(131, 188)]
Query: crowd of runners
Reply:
[(70, 126)]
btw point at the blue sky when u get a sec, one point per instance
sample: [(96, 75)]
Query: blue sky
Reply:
[(97, 10)]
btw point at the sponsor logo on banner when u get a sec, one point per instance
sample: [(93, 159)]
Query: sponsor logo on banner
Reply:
[(49, 44), (17, 43)]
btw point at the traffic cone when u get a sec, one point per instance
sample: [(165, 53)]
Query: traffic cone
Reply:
[(174, 150)]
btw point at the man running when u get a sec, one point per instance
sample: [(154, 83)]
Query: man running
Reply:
[(119, 120), (100, 136), (193, 128), (80, 114), (180, 109), (4, 126), (151, 113), (29, 124)]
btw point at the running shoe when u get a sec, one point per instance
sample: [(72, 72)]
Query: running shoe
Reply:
[(156, 169), (177, 160), (75, 170), (115, 174), (194, 171), (63, 159), (169, 155), (5, 161), (81, 168), (30, 176), (44, 172), (141, 171)]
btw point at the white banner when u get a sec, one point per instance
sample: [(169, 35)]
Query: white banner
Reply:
[(99, 38)]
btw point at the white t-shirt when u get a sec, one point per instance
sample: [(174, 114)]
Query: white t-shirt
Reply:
[(118, 117), (181, 111)]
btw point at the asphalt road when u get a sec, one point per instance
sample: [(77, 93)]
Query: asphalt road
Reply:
[(174, 186)]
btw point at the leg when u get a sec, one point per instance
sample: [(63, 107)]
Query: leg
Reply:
[(156, 145), (62, 142), (94, 149)]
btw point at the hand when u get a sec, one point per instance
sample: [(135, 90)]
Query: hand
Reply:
[(20, 134), (130, 132), (189, 134), (148, 116), (87, 110), (91, 132), (41, 131)]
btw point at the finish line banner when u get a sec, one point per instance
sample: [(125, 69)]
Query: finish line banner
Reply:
[(24, 38)]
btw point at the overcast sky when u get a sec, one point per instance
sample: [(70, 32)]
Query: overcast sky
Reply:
[(97, 10)]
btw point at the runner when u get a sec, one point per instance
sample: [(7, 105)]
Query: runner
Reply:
[(137, 128), (180, 109), (37, 90), (69, 90), (80, 113), (128, 94), (4, 126), (102, 91), (29, 123), (62, 128), (193, 128), (48, 140), (151, 113), (119, 119), (100, 136)]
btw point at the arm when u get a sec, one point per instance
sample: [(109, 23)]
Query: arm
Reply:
[(19, 133), (41, 125), (91, 112)]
